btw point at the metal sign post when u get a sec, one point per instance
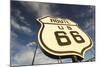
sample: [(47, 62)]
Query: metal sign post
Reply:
[(75, 59), (34, 54)]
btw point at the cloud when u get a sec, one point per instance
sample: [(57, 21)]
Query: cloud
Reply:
[(42, 9), (26, 30), (25, 56), (31, 44), (21, 28), (87, 18), (14, 24), (90, 25), (13, 41), (17, 19), (17, 13), (15, 47), (21, 54), (41, 58), (13, 35)]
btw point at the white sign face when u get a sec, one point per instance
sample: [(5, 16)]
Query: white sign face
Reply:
[(62, 37)]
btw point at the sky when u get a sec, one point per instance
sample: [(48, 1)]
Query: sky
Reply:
[(25, 27)]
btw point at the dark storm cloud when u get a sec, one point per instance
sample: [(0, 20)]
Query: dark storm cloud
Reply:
[(41, 9)]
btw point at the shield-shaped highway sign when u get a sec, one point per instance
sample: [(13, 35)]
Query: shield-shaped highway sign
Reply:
[(62, 37)]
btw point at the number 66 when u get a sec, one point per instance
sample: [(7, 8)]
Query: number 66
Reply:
[(74, 34)]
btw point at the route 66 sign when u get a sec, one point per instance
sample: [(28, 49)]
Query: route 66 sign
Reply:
[(62, 37)]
